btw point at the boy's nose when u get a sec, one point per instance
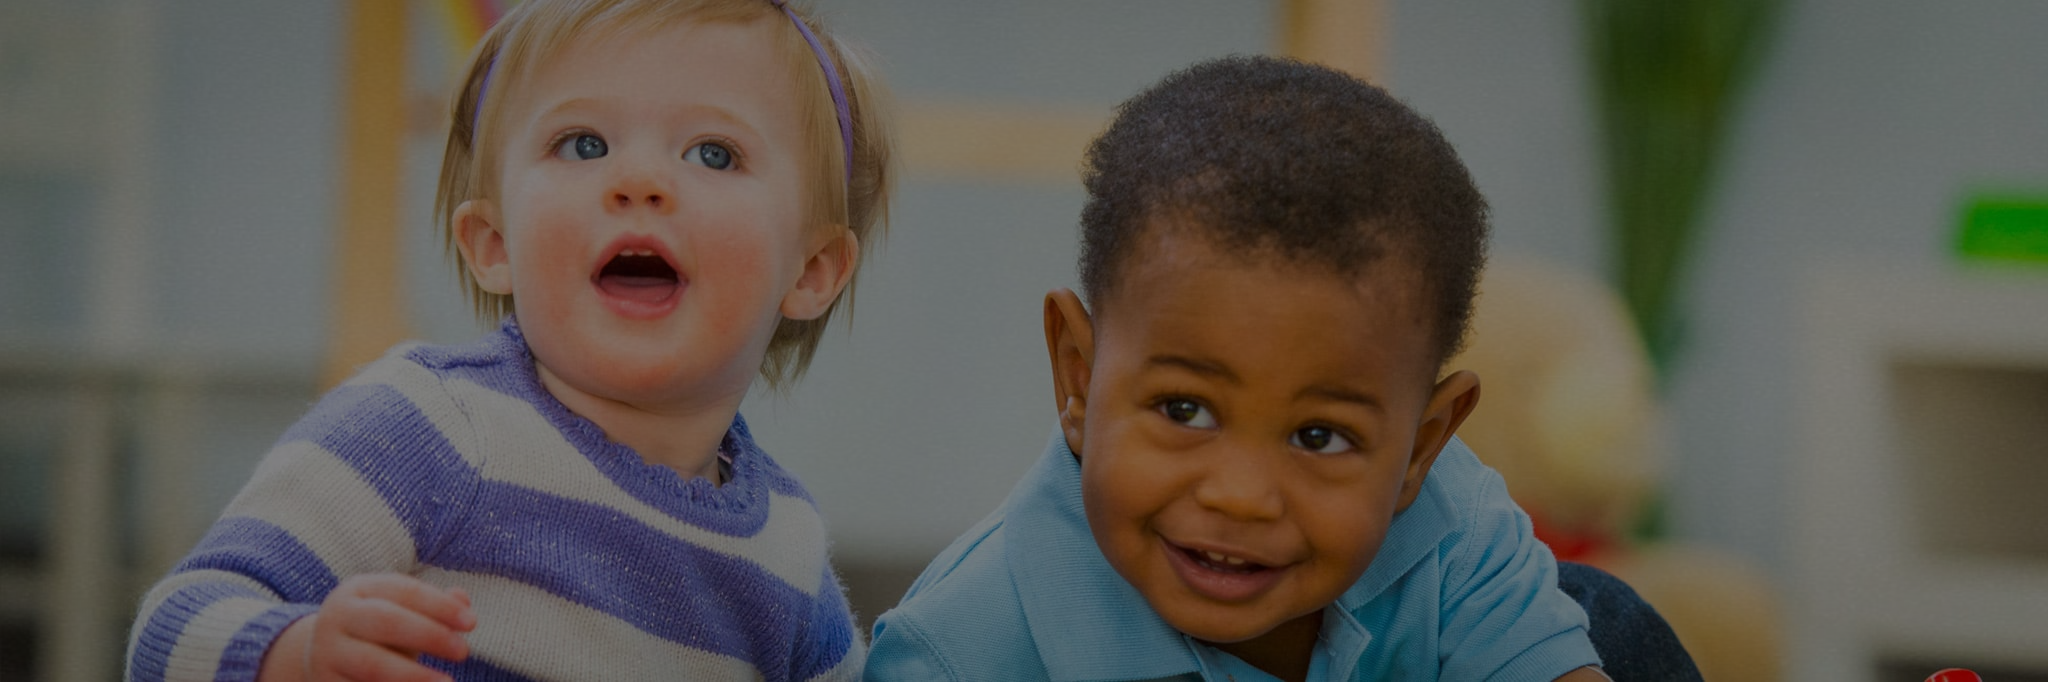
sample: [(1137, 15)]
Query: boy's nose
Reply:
[(1241, 486)]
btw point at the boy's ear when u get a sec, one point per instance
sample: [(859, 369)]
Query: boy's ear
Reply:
[(482, 243), (1070, 340), (1449, 404), (828, 267)]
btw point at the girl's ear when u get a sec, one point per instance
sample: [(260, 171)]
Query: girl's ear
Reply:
[(482, 243), (1449, 404), (1070, 340), (827, 269)]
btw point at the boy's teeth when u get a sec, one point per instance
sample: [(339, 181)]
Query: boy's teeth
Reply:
[(1221, 558)]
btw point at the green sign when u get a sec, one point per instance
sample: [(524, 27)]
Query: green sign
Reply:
[(2005, 227)]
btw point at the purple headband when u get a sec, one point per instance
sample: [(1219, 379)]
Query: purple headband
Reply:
[(817, 48), (831, 81)]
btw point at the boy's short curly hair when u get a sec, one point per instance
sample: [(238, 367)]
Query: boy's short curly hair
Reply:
[(1287, 160)]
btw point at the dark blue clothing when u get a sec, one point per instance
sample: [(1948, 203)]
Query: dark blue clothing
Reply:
[(1635, 644)]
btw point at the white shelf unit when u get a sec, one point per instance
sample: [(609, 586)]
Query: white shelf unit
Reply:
[(77, 107), (141, 453), (1920, 512)]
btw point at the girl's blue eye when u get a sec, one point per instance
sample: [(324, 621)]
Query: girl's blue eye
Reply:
[(1188, 413), (582, 147), (711, 155), (1320, 439)]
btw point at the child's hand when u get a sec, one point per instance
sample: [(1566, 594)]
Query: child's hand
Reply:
[(374, 627)]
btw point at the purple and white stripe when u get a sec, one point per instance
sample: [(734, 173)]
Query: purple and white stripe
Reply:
[(452, 464)]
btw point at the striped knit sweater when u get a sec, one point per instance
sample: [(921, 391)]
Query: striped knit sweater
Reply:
[(583, 562)]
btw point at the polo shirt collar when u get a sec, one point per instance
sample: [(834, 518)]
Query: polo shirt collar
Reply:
[(1345, 640), (1417, 531), (1340, 644), (1088, 623)]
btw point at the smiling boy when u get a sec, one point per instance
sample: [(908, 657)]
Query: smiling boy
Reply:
[(1255, 476)]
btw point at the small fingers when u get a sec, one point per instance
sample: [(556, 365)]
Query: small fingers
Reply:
[(450, 606), (402, 613), (393, 626), (367, 662)]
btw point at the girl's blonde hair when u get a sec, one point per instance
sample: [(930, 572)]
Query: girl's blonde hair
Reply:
[(537, 29)]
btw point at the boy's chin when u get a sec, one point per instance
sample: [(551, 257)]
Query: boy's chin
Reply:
[(1217, 625)]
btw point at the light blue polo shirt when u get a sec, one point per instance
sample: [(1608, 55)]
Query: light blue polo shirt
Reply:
[(1460, 590)]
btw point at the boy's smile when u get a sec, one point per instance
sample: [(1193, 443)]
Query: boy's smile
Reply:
[(1225, 576), (1248, 430)]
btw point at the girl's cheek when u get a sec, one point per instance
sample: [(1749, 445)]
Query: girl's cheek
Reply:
[(553, 248)]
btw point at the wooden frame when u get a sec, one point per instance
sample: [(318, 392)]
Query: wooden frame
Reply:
[(369, 311)]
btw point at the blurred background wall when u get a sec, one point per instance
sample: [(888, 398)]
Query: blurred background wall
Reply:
[(168, 195)]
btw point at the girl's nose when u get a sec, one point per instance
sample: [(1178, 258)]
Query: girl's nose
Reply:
[(649, 198), (639, 189)]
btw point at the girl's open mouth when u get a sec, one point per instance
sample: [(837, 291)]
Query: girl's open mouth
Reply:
[(639, 281), (640, 276)]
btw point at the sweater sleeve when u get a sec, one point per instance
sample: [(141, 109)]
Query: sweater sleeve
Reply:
[(361, 484), (831, 649), (1504, 616)]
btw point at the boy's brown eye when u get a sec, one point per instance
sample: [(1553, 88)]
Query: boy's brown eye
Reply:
[(1320, 439), (1188, 413)]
